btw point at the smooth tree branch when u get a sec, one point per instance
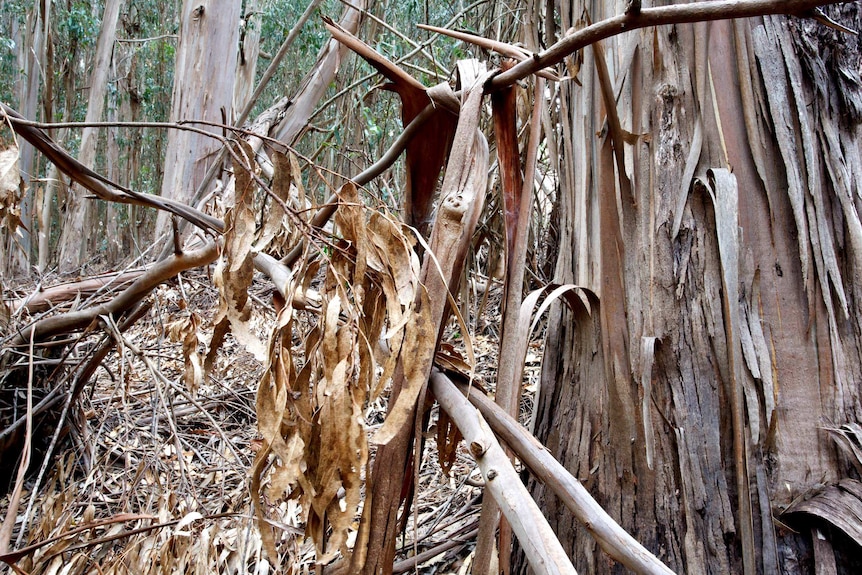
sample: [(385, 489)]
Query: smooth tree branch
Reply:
[(613, 539), (658, 16), (539, 542)]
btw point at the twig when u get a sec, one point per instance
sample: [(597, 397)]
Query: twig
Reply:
[(413, 562), (502, 48), (141, 40), (103, 187), (12, 557), (157, 374)]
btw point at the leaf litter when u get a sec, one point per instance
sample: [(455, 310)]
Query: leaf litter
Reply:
[(156, 476)]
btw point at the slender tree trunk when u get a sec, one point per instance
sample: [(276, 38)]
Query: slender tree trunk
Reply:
[(31, 61), (116, 234), (204, 78), (79, 233), (694, 400), (249, 48), (55, 186)]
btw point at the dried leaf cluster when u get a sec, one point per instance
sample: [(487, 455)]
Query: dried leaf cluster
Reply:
[(324, 362)]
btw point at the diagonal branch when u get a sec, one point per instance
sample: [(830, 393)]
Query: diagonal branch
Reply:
[(160, 272), (103, 188), (503, 48), (541, 546), (613, 539), (674, 14)]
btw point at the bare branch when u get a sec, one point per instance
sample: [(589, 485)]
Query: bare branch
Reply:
[(516, 52), (103, 187), (160, 272), (674, 14), (541, 546), (613, 539)]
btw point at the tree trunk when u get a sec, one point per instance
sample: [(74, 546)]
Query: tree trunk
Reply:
[(204, 79), (79, 232), (31, 61), (249, 48), (695, 401)]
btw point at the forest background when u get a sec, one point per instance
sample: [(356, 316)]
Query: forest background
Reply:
[(252, 249)]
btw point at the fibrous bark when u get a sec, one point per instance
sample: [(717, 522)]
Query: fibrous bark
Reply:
[(731, 297)]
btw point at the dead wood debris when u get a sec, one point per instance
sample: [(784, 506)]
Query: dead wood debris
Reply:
[(149, 475)]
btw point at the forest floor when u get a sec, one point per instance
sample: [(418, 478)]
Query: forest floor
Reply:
[(148, 476)]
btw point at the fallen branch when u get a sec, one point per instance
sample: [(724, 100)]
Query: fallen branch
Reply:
[(412, 563), (44, 300), (541, 546), (159, 273), (613, 539)]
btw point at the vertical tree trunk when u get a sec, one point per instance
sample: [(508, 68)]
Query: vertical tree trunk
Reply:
[(249, 48), (204, 78), (55, 185), (79, 234), (693, 401), (31, 61), (116, 233)]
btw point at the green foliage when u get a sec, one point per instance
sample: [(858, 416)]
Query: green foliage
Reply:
[(78, 22)]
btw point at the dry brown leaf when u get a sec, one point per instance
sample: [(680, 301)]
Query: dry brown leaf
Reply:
[(185, 331), (234, 272), (311, 416), (417, 355), (448, 437), (274, 217)]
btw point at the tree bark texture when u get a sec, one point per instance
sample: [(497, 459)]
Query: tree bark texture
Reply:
[(696, 400), (204, 79)]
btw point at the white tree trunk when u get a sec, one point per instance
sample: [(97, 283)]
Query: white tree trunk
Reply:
[(204, 79), (247, 58), (79, 229), (31, 60)]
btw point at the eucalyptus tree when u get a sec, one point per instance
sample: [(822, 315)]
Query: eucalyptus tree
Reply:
[(709, 396)]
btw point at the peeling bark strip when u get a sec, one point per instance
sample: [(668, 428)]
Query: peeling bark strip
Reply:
[(462, 197), (427, 149), (722, 188), (504, 109)]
